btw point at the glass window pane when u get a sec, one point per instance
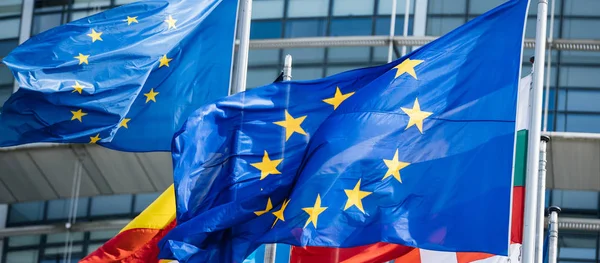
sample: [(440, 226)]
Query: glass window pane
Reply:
[(122, 2), (83, 14), (586, 77), (42, 23), (90, 3), (560, 122), (61, 249), (577, 246), (305, 55), (265, 29), (349, 54), (26, 212), (10, 28), (262, 9), (307, 73), (263, 57), (353, 7), (20, 241), (478, 7), (144, 200), (351, 26), (61, 237), (385, 7), (437, 26), (447, 7), (305, 28), (25, 256), (583, 123), (92, 247), (111, 205), (103, 235), (582, 8), (581, 28), (51, 5), (579, 57), (573, 199), (59, 209), (308, 8), (10, 7), (583, 100), (562, 100), (382, 26), (261, 77)]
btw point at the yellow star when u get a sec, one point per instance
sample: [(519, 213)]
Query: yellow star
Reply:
[(124, 123), (151, 96), (338, 98), (394, 166), (355, 197), (77, 115), (267, 166), (171, 22), (95, 139), (77, 87), (279, 213), (314, 212), (267, 209), (416, 116), (82, 58), (95, 36), (291, 125), (164, 61), (407, 66), (131, 20)]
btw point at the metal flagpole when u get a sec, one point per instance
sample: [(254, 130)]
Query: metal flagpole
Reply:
[(541, 205), (405, 28), (549, 65), (242, 54), (271, 249), (553, 231), (533, 149), (392, 30)]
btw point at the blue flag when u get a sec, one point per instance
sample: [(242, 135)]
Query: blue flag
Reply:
[(126, 78), (416, 152)]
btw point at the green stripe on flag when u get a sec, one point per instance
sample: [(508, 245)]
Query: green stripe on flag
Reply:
[(521, 158)]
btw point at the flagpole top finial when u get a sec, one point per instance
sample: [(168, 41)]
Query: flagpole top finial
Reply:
[(554, 209), (545, 138)]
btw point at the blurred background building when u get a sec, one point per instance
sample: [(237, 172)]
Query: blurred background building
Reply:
[(324, 37)]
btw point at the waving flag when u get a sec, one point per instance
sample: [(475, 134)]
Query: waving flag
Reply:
[(382, 252), (400, 153), (126, 78)]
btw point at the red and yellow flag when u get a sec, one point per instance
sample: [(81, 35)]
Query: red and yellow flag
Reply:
[(137, 242)]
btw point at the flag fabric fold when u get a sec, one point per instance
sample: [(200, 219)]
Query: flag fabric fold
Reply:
[(126, 78), (400, 153), (137, 242)]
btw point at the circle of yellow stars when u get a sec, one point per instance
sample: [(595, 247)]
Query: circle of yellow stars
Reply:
[(96, 35), (292, 124)]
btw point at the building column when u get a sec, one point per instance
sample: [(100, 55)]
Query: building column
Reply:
[(25, 27), (3, 219)]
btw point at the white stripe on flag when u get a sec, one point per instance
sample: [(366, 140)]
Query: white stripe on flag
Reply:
[(431, 256)]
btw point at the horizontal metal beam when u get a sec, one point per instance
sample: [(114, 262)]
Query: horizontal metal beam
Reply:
[(580, 136), (556, 44), (60, 228), (564, 223)]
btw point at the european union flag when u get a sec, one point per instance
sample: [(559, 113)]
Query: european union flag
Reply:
[(416, 152), (126, 78)]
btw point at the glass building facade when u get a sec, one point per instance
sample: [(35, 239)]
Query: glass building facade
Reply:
[(572, 98)]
